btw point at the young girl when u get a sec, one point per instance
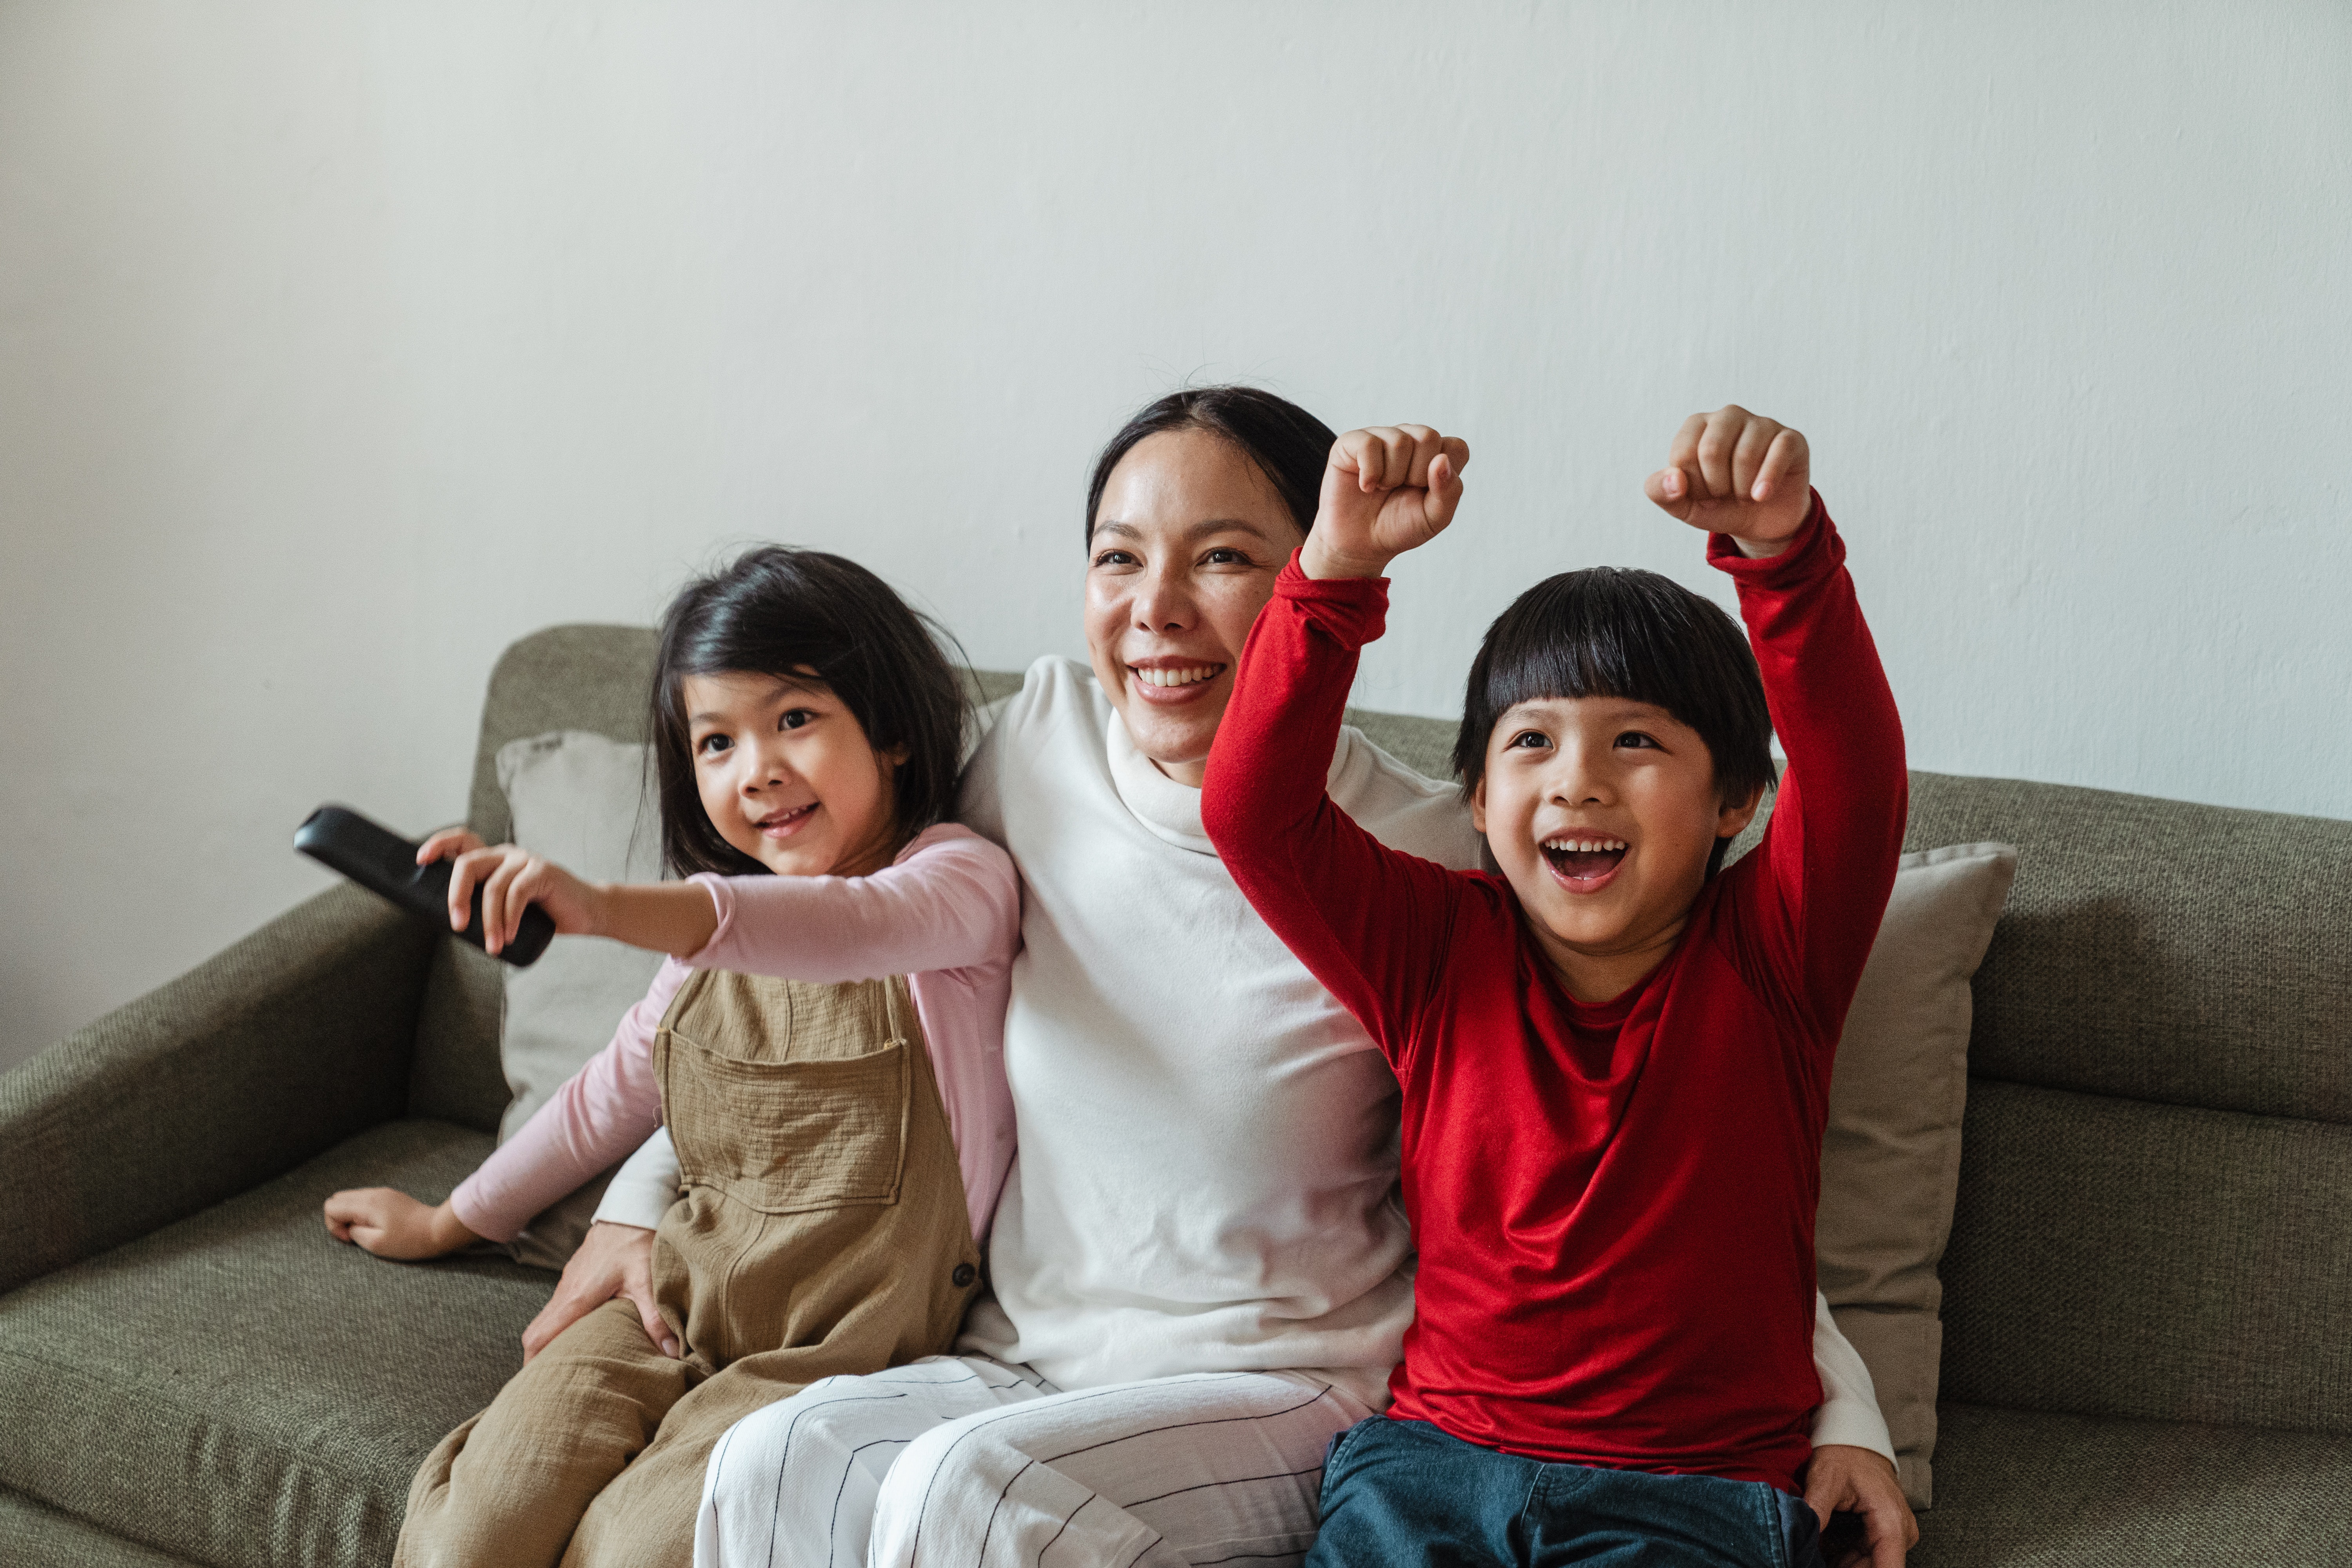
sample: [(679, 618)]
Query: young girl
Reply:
[(824, 1045)]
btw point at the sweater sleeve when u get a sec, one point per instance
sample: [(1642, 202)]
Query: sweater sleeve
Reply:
[(1811, 895), (647, 1183), (1848, 1412), (1367, 922), (600, 1113), (951, 901)]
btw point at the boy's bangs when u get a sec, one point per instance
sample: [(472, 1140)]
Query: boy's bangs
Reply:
[(1635, 636)]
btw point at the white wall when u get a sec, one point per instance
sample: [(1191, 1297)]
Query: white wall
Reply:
[(341, 343)]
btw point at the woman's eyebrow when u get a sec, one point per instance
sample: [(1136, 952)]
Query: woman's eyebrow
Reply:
[(1191, 531)]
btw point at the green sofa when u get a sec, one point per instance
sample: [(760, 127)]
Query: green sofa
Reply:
[(2148, 1354)]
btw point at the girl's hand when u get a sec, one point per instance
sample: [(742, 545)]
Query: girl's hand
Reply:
[(613, 1260), (1385, 490), (391, 1224), (1737, 473), (511, 880)]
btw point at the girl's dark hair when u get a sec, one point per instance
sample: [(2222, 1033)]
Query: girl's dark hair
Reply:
[(1610, 631), (1288, 445), (778, 611)]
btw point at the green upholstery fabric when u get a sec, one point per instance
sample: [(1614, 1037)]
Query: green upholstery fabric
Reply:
[(282, 1045), (2016, 1487), (566, 677), (242, 1390), (1424, 745), (456, 1075), (2109, 1256), (34, 1533), (2160, 950)]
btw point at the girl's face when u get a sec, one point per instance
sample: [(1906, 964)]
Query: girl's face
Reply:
[(787, 775), (1187, 543)]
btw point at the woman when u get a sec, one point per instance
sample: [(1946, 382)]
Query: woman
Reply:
[(1200, 1273)]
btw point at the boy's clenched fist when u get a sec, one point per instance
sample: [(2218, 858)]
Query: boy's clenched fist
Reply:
[(1386, 490), (1737, 473)]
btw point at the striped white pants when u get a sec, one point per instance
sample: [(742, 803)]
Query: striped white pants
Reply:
[(961, 1461)]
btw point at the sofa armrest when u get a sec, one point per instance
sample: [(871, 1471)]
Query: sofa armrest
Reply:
[(270, 1052)]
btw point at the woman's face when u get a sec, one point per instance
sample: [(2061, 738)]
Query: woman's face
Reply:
[(1187, 541)]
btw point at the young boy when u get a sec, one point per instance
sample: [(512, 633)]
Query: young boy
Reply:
[(1615, 1057)]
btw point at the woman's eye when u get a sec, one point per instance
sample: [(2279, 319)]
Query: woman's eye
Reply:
[(1225, 558), (794, 717), (1113, 558)]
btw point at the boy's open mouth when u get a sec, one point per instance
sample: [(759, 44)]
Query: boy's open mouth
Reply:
[(1578, 859)]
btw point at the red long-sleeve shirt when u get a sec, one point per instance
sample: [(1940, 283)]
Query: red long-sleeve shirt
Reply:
[(1613, 1204)]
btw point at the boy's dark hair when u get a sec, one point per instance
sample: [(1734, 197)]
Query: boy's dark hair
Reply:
[(1289, 446), (1612, 631), (775, 612)]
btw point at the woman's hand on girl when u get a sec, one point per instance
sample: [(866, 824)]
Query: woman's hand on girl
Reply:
[(511, 879), (391, 1224), (1387, 490), (613, 1260)]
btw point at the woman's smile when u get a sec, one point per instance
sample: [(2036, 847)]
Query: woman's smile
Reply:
[(1168, 681)]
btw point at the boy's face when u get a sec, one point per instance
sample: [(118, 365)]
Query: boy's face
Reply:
[(1602, 812)]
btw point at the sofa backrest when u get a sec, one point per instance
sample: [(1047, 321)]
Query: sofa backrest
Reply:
[(2156, 1201), (2156, 1165)]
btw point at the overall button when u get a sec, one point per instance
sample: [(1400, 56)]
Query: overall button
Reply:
[(964, 1275)]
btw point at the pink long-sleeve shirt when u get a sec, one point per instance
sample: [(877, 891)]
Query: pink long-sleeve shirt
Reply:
[(945, 914)]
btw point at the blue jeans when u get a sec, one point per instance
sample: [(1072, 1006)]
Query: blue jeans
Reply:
[(1402, 1492)]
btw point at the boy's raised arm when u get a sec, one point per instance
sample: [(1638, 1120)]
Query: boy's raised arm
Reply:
[(1364, 918), (1827, 863)]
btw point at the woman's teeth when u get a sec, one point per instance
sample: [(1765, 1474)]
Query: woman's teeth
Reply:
[(1189, 676)]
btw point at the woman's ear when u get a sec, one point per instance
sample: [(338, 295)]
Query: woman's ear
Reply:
[(1732, 819)]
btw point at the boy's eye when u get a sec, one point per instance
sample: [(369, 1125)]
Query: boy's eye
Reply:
[(794, 717)]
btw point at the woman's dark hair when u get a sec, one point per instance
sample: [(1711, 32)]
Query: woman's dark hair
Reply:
[(1288, 445), (1610, 631), (781, 611)]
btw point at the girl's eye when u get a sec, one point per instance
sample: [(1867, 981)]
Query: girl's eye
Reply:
[(794, 717), (713, 744), (1636, 738), (1530, 738)]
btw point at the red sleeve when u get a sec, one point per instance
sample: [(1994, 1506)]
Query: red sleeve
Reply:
[(1809, 900), (1367, 920)]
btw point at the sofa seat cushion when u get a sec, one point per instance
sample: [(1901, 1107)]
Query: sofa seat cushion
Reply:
[(2020, 1486), (32, 1533), (241, 1389)]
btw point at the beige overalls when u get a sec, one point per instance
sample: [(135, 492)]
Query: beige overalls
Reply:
[(823, 1229)]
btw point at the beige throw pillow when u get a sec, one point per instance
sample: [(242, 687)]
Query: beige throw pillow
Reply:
[(582, 800), (1891, 1157)]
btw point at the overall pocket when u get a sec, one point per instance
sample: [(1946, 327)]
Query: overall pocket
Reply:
[(787, 1137)]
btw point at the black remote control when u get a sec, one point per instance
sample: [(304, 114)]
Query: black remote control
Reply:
[(383, 862)]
